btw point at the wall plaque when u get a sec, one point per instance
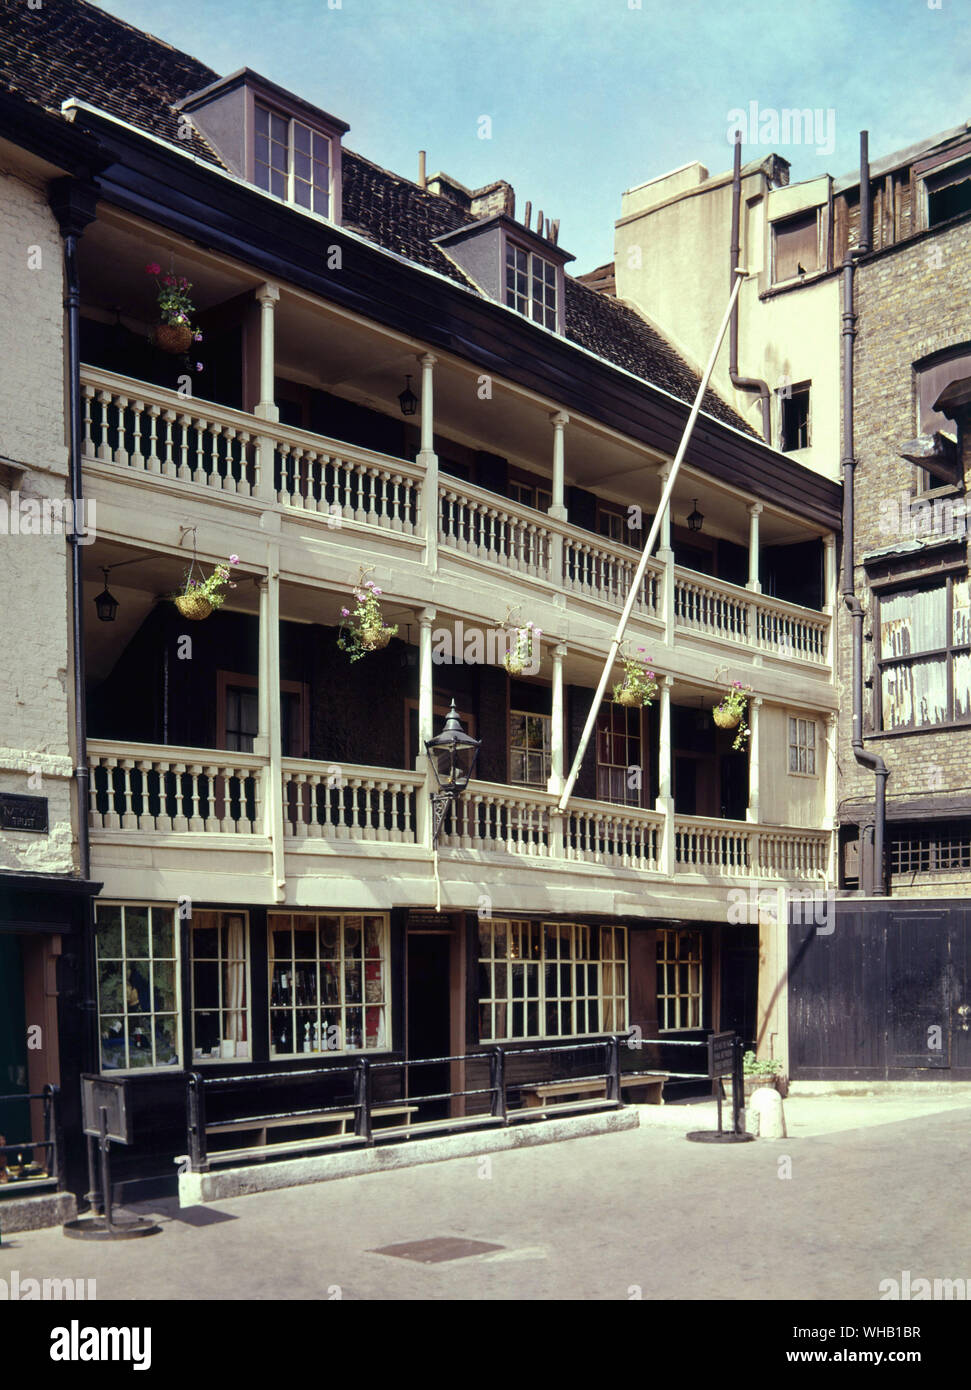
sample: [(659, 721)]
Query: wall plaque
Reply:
[(23, 813)]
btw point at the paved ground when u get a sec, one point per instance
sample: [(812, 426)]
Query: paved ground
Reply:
[(877, 1186)]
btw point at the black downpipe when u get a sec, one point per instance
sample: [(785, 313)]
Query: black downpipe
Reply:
[(873, 877), (73, 204), (742, 383)]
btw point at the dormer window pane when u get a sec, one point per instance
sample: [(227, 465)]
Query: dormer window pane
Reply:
[(531, 285), (292, 161)]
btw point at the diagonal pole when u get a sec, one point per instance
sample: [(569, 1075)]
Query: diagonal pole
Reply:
[(649, 546)]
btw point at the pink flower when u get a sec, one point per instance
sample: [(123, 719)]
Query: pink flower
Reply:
[(168, 279), (345, 612), (197, 338), (375, 590), (234, 559), (199, 367), (153, 269)]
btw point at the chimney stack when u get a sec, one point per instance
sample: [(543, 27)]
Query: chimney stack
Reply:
[(422, 182)]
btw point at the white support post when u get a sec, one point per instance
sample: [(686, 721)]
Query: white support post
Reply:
[(829, 595), (269, 692), (426, 722), (666, 556), (754, 709), (428, 460), (557, 747), (832, 787), (754, 512), (559, 420), (266, 407), (665, 797)]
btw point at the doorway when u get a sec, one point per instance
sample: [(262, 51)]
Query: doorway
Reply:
[(429, 1018)]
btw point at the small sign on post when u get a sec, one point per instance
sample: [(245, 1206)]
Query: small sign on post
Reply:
[(725, 1059), (106, 1116)]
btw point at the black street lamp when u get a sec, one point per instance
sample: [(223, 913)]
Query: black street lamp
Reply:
[(453, 755), (106, 603), (695, 519)]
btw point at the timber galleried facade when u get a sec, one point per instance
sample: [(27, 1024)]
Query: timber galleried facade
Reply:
[(256, 806)]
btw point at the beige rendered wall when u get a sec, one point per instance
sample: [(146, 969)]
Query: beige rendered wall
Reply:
[(788, 798), (34, 675)]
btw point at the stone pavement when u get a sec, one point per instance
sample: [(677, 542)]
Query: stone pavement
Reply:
[(863, 1189)]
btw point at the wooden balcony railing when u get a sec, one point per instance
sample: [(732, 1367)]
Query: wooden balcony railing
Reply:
[(348, 803), (165, 790)]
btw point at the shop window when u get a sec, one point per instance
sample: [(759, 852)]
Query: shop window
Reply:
[(529, 748), (924, 656), (679, 979), (795, 419), (220, 985), (802, 746), (619, 773), (138, 1008), (550, 979), (795, 242), (328, 983)]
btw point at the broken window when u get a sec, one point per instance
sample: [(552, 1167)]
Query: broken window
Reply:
[(948, 193), (930, 849), (795, 419), (796, 246), (923, 656)]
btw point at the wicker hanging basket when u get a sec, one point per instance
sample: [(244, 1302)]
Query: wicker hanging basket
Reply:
[(373, 639), (726, 718), (630, 697), (174, 337), (193, 606), (514, 665)]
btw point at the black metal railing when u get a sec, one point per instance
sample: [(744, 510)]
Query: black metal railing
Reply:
[(500, 1099), (15, 1177)]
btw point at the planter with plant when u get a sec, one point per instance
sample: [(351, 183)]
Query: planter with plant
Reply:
[(521, 655), (203, 593), (639, 686), (767, 1072), (175, 333), (363, 629), (729, 713)]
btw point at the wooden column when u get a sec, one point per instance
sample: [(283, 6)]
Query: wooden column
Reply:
[(266, 407), (426, 721), (754, 707), (665, 797), (754, 512), (428, 460), (557, 748)]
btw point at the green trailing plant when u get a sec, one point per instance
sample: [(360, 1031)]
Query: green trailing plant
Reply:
[(175, 304), (769, 1066), (639, 685), (363, 629), (520, 656), (210, 588), (729, 713)]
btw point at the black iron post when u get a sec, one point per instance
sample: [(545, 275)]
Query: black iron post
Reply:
[(196, 1116), (362, 1120), (497, 1080), (613, 1069), (738, 1085)]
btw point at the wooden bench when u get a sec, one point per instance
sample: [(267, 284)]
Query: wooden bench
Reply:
[(649, 1084), (337, 1118)]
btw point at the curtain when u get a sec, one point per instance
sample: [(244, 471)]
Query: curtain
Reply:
[(235, 997)]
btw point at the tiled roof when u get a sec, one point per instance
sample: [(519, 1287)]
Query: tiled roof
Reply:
[(69, 48)]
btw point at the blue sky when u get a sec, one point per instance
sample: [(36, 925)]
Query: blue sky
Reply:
[(589, 97)]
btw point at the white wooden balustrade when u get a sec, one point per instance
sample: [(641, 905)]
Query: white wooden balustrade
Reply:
[(596, 570), (511, 820), (475, 522), (706, 606), (738, 849), (337, 802), (342, 480), (623, 837), (150, 430), (161, 789)]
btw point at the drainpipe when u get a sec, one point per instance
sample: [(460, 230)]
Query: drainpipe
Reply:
[(742, 383), (73, 204), (872, 869)]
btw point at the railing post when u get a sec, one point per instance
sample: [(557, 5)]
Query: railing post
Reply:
[(613, 1069), (497, 1080), (362, 1120), (196, 1122)]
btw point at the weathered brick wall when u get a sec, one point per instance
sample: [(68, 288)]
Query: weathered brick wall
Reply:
[(35, 673), (910, 302)]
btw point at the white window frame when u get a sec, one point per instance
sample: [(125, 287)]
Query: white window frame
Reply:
[(519, 935), (797, 741), (246, 1055), (311, 1012), (291, 176), (128, 1012), (673, 1003), (820, 258), (511, 296), (546, 751)]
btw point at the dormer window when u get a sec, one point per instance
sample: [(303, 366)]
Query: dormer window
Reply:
[(273, 139), (291, 160), (531, 285)]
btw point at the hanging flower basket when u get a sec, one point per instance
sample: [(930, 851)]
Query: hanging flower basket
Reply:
[(639, 687), (194, 606), (200, 595), (729, 713), (521, 658), (176, 338), (364, 630)]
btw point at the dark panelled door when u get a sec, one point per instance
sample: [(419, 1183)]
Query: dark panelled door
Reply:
[(918, 990)]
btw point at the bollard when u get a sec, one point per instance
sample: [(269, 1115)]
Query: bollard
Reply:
[(766, 1116)]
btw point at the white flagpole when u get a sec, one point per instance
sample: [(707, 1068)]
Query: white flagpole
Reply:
[(649, 546)]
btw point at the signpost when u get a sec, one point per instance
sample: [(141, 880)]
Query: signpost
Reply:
[(106, 1116), (725, 1059)]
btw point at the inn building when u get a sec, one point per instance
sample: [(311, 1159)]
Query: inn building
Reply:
[(399, 383), (854, 352)]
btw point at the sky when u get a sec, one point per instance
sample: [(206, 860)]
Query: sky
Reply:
[(587, 98)]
